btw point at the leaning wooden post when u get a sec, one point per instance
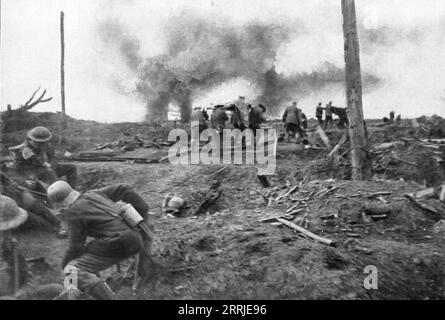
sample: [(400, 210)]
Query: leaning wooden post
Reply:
[(62, 68), (360, 158)]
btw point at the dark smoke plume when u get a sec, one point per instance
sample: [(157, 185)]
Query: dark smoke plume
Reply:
[(201, 54)]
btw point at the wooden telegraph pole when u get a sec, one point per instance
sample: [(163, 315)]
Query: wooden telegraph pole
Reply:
[(62, 68), (360, 158)]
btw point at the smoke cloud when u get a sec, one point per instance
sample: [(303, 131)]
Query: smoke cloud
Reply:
[(202, 54), (127, 59)]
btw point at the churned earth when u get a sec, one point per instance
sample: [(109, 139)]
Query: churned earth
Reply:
[(228, 253)]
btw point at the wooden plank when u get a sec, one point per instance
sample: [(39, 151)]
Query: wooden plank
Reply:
[(306, 232), (424, 206)]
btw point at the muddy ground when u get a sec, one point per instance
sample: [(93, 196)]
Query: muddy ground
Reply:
[(228, 253)]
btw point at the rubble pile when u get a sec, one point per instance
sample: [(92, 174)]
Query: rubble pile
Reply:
[(430, 127), (420, 160)]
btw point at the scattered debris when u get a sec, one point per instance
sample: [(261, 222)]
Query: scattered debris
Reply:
[(425, 207)]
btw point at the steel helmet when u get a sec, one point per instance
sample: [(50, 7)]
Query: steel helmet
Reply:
[(11, 215), (61, 195), (173, 204), (39, 134)]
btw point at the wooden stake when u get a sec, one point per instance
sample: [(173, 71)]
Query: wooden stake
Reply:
[(62, 68), (324, 138), (361, 161)]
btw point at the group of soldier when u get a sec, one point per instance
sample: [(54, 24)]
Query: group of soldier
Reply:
[(329, 111), (239, 114), (32, 189), (36, 186), (296, 122)]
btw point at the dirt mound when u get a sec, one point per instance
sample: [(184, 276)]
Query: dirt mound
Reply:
[(230, 251), (78, 134)]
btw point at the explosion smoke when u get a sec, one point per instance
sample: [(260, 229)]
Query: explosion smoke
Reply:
[(201, 54)]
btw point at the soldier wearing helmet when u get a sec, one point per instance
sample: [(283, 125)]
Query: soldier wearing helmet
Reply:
[(97, 214), (11, 217), (35, 157)]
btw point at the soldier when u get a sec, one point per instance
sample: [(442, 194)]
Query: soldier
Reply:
[(256, 117), (291, 119), (200, 116), (242, 106), (237, 120), (328, 115), (97, 214), (392, 115), (35, 158), (32, 203), (11, 217), (319, 114), (219, 118)]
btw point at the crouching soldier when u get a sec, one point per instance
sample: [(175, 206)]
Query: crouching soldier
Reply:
[(96, 214), (35, 158)]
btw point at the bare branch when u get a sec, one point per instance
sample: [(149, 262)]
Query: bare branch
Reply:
[(32, 97), (28, 105)]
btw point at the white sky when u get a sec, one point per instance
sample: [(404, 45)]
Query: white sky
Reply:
[(413, 74)]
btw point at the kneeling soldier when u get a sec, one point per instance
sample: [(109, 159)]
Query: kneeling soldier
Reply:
[(96, 214)]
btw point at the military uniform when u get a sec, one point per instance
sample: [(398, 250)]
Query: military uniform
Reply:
[(201, 117), (219, 118), (292, 120), (33, 161), (95, 214), (328, 116), (319, 115)]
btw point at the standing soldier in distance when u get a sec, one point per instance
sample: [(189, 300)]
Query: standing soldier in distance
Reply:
[(291, 120), (319, 114), (328, 115)]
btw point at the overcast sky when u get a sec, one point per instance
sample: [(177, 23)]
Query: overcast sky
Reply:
[(410, 63)]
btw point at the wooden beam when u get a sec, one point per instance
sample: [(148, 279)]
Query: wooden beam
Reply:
[(360, 158), (62, 68), (306, 232)]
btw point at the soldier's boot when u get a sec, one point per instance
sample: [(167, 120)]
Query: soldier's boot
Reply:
[(101, 291)]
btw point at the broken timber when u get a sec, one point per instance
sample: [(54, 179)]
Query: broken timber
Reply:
[(338, 145), (284, 196), (306, 232), (425, 207)]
